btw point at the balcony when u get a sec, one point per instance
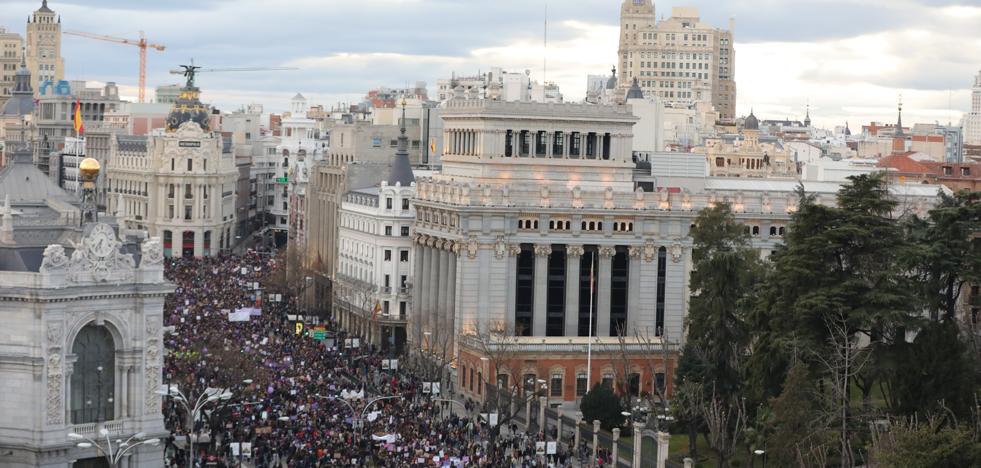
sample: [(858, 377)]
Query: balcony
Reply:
[(91, 430)]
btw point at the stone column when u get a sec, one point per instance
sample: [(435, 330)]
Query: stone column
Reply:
[(573, 256), (542, 251), (663, 443), (542, 422), (604, 277), (198, 243), (512, 280), (443, 297), (450, 312), (615, 455), (416, 289), (596, 429), (634, 312), (527, 414), (425, 294), (638, 442), (558, 424), (577, 437)]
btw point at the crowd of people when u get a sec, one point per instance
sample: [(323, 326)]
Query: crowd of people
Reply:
[(295, 401)]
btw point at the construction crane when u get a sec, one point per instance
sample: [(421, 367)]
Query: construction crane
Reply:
[(141, 43), (190, 71)]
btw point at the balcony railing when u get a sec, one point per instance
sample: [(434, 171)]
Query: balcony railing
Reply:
[(92, 430)]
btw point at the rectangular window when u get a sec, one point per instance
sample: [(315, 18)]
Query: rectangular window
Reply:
[(555, 386), (388, 281), (608, 380), (402, 309), (405, 203), (388, 255), (405, 231), (403, 255), (402, 280), (190, 164), (388, 203), (581, 384), (388, 231), (575, 142), (187, 212), (385, 308), (509, 143)]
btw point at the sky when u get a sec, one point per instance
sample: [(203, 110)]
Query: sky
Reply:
[(849, 60)]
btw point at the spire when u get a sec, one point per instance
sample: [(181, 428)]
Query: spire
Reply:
[(807, 117), (401, 171), (899, 121)]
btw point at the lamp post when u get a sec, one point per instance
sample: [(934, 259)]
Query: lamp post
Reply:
[(762, 454), (193, 410), (122, 448)]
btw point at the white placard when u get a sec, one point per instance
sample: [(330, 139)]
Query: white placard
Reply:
[(551, 448)]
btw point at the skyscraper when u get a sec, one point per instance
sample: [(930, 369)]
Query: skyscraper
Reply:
[(972, 121), (680, 59), (44, 46)]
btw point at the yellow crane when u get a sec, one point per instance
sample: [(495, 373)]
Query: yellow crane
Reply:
[(141, 43)]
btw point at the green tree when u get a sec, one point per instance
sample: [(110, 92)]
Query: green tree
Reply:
[(726, 269), (794, 414), (602, 404), (948, 251), (933, 443)]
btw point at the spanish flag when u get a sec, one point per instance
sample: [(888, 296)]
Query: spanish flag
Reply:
[(77, 118), (374, 313)]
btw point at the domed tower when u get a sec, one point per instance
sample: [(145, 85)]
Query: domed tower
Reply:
[(188, 106)]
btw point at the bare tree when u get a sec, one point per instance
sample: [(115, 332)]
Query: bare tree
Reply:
[(650, 353), (843, 359), (506, 393), (726, 424)]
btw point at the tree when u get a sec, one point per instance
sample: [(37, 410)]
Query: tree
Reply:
[(726, 422), (948, 251), (600, 403), (937, 368), (726, 269), (934, 442), (794, 415)]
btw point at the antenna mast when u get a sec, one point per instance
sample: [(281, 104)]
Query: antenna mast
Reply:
[(545, 50)]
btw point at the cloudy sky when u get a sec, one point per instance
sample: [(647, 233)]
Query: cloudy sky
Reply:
[(850, 59)]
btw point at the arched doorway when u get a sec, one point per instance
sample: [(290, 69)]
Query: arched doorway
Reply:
[(93, 379), (187, 243)]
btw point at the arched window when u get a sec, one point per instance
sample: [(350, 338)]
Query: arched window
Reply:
[(93, 378)]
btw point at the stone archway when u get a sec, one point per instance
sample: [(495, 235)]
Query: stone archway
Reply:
[(93, 379)]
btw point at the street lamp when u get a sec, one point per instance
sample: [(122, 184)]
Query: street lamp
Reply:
[(122, 448), (193, 411), (761, 453)]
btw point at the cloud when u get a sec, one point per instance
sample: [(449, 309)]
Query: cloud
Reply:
[(848, 58)]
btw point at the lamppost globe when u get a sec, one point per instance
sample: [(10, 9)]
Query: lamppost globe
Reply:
[(759, 452), (83, 445)]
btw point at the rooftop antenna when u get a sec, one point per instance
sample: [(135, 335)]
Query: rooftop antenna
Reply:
[(545, 49)]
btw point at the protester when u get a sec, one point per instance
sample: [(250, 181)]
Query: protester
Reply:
[(287, 406)]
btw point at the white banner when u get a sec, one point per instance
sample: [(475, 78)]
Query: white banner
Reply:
[(241, 315)]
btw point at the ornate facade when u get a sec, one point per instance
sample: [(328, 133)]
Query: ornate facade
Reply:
[(82, 344), (537, 202), (44, 47)]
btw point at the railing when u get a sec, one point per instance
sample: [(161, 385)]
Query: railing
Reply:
[(92, 430)]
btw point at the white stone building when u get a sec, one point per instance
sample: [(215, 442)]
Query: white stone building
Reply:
[(179, 184), (301, 146), (680, 59), (534, 197), (81, 349)]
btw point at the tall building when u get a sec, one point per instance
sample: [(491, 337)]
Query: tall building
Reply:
[(972, 121), (168, 94), (44, 46), (374, 265), (11, 53), (83, 329), (179, 183), (680, 59), (301, 146), (535, 204)]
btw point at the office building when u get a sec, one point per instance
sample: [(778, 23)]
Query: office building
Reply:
[(11, 55), (680, 59), (972, 120), (44, 47)]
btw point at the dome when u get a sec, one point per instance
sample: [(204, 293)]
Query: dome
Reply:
[(21, 100), (89, 169), (189, 108), (635, 92), (751, 123)]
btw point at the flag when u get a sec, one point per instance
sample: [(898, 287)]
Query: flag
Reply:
[(374, 313), (432, 145), (77, 119)]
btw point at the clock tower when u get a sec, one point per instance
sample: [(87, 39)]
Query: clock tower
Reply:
[(44, 47)]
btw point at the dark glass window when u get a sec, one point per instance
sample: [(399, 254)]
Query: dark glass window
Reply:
[(525, 292), (93, 376), (618, 291), (586, 263), (555, 297), (509, 143), (582, 385), (662, 268)]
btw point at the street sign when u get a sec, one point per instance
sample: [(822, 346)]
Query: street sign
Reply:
[(282, 180)]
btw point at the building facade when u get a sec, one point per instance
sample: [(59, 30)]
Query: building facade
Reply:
[(11, 54), (178, 184), (535, 200), (680, 59), (748, 154), (972, 121), (83, 329), (44, 47)]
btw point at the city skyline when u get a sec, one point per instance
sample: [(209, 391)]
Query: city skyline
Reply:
[(849, 62)]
